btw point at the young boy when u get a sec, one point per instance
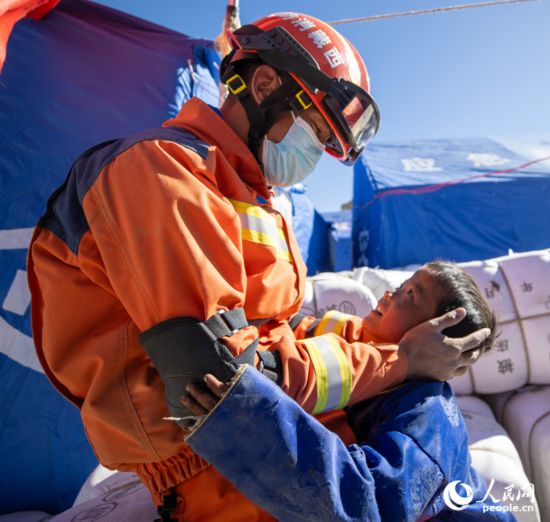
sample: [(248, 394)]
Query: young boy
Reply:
[(434, 289), (411, 461)]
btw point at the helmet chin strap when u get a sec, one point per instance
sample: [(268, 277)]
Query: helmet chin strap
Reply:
[(263, 116)]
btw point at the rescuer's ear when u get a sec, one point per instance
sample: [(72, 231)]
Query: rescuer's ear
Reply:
[(263, 82)]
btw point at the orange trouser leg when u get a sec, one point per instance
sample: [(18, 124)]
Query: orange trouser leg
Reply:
[(209, 497)]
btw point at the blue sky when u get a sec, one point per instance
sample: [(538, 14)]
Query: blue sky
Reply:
[(480, 72)]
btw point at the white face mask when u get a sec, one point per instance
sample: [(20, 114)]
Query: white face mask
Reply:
[(294, 157)]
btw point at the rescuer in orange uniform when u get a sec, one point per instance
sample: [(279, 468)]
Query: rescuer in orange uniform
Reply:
[(161, 257)]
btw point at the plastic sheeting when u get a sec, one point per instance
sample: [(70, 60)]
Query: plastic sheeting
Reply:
[(11, 11), (339, 239), (82, 75), (311, 231), (422, 200)]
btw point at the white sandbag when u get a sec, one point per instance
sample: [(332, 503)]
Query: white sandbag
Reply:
[(496, 459), (101, 480), (462, 385), (504, 367), (517, 287), (471, 404), (537, 338), (540, 439), (493, 287), (378, 281), (526, 417), (498, 401), (528, 276), (129, 500), (334, 292)]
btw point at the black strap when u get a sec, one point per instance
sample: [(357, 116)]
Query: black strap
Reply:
[(224, 324), (168, 508), (271, 365), (296, 320), (262, 117), (183, 350), (311, 330), (247, 355)]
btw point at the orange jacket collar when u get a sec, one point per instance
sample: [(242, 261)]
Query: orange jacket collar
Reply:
[(206, 124)]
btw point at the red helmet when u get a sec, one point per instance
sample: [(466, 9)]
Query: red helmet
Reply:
[(323, 69)]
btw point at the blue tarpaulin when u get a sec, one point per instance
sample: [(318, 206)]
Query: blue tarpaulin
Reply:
[(311, 230), (339, 237), (82, 75), (461, 199)]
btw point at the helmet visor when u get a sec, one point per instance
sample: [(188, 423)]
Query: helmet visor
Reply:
[(355, 118)]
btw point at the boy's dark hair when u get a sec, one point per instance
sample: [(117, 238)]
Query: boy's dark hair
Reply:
[(460, 290)]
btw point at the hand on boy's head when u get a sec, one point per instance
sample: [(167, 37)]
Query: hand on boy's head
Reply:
[(433, 355)]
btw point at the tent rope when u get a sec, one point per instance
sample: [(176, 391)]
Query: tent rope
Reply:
[(388, 16)]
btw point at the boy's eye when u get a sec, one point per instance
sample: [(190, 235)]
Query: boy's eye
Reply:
[(410, 293)]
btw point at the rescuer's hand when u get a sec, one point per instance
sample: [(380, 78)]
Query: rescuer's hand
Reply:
[(433, 355), (201, 401)]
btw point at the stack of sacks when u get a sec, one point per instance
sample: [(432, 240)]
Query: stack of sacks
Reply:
[(329, 291), (378, 280), (526, 416), (496, 459), (517, 287)]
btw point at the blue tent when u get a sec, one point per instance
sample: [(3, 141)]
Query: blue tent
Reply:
[(339, 238), (82, 75), (311, 231), (461, 199)]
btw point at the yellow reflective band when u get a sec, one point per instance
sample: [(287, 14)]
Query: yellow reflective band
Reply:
[(332, 371), (332, 322), (346, 374), (320, 375), (266, 239), (252, 210), (258, 226)]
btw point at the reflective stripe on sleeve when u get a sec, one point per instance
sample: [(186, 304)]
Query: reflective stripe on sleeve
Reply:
[(332, 322), (332, 371), (258, 226)]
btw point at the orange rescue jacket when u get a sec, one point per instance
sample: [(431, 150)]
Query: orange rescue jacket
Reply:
[(175, 222)]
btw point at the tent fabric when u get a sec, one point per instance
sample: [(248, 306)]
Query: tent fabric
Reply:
[(339, 239), (82, 75), (11, 11), (311, 230), (461, 199)]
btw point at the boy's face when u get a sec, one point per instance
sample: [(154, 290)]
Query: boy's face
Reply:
[(414, 302)]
